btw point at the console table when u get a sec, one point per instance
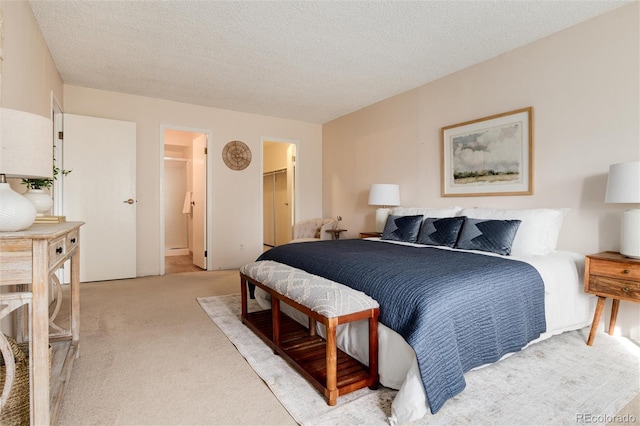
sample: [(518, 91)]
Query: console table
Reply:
[(28, 261)]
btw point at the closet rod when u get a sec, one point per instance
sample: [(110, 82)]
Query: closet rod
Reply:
[(274, 172)]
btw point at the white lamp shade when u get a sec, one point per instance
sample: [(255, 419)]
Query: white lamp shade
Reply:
[(26, 145), (623, 185), (26, 151), (384, 194)]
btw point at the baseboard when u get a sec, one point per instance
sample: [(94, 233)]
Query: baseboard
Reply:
[(176, 252)]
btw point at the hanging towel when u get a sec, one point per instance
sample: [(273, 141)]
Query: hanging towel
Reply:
[(186, 207)]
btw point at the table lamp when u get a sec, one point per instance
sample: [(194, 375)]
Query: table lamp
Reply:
[(623, 186), (26, 151), (383, 194)]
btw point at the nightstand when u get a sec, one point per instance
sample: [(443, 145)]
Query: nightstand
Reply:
[(370, 234), (610, 274), (335, 233)]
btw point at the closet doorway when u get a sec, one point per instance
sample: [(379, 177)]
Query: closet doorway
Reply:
[(184, 201), (279, 189)]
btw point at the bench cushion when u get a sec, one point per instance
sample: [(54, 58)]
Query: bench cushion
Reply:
[(321, 295)]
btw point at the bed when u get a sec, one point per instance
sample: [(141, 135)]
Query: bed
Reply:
[(452, 298)]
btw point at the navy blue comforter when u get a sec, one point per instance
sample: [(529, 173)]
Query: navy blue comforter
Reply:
[(457, 310)]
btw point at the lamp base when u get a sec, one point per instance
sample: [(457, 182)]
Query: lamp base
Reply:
[(381, 218), (630, 234), (16, 212)]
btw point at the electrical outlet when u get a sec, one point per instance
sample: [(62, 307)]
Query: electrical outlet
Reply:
[(241, 247)]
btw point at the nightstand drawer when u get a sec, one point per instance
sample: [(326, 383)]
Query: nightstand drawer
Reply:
[(607, 268), (614, 287)]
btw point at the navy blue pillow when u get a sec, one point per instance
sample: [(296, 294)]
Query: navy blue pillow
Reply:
[(440, 231), (495, 236), (402, 228)]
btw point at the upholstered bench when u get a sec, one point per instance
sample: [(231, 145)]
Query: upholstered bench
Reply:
[(329, 369)]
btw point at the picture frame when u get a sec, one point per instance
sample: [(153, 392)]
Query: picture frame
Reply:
[(488, 156)]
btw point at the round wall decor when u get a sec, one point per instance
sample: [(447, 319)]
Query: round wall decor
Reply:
[(236, 155)]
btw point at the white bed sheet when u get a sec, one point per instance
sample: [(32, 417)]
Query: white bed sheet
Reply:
[(567, 307)]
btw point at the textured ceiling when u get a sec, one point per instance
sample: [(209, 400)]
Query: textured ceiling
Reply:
[(304, 60)]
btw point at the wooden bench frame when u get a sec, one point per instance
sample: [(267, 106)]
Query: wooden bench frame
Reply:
[(327, 368)]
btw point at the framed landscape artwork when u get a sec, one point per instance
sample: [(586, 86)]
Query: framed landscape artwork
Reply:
[(489, 156)]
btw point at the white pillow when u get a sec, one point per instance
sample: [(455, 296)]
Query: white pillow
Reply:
[(427, 212), (537, 234)]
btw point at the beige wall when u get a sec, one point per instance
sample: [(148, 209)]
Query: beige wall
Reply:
[(275, 156), (236, 218), (583, 84), (29, 75)]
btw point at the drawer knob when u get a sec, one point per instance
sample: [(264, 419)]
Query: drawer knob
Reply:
[(59, 250), (626, 271), (625, 289), (73, 241)]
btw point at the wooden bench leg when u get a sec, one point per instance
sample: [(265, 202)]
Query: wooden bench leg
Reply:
[(243, 298), (332, 364), (373, 351), (312, 326), (275, 322)]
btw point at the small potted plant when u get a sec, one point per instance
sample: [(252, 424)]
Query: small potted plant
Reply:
[(35, 190)]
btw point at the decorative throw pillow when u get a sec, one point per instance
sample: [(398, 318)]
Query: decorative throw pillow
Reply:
[(402, 228), (495, 236), (440, 231)]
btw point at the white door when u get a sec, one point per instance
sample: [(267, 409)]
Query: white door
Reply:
[(268, 217), (101, 191), (199, 201), (284, 232)]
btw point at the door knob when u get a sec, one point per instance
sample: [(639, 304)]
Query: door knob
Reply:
[(129, 201)]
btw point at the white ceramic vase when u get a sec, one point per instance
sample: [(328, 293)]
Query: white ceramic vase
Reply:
[(40, 199)]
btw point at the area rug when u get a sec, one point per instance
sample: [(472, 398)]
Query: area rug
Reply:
[(557, 381)]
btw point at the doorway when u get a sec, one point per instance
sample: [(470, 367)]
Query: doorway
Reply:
[(279, 189), (184, 201)]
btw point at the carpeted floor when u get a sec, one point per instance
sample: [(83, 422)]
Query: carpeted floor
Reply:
[(150, 356), (558, 381)]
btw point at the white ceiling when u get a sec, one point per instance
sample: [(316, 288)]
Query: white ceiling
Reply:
[(305, 60)]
